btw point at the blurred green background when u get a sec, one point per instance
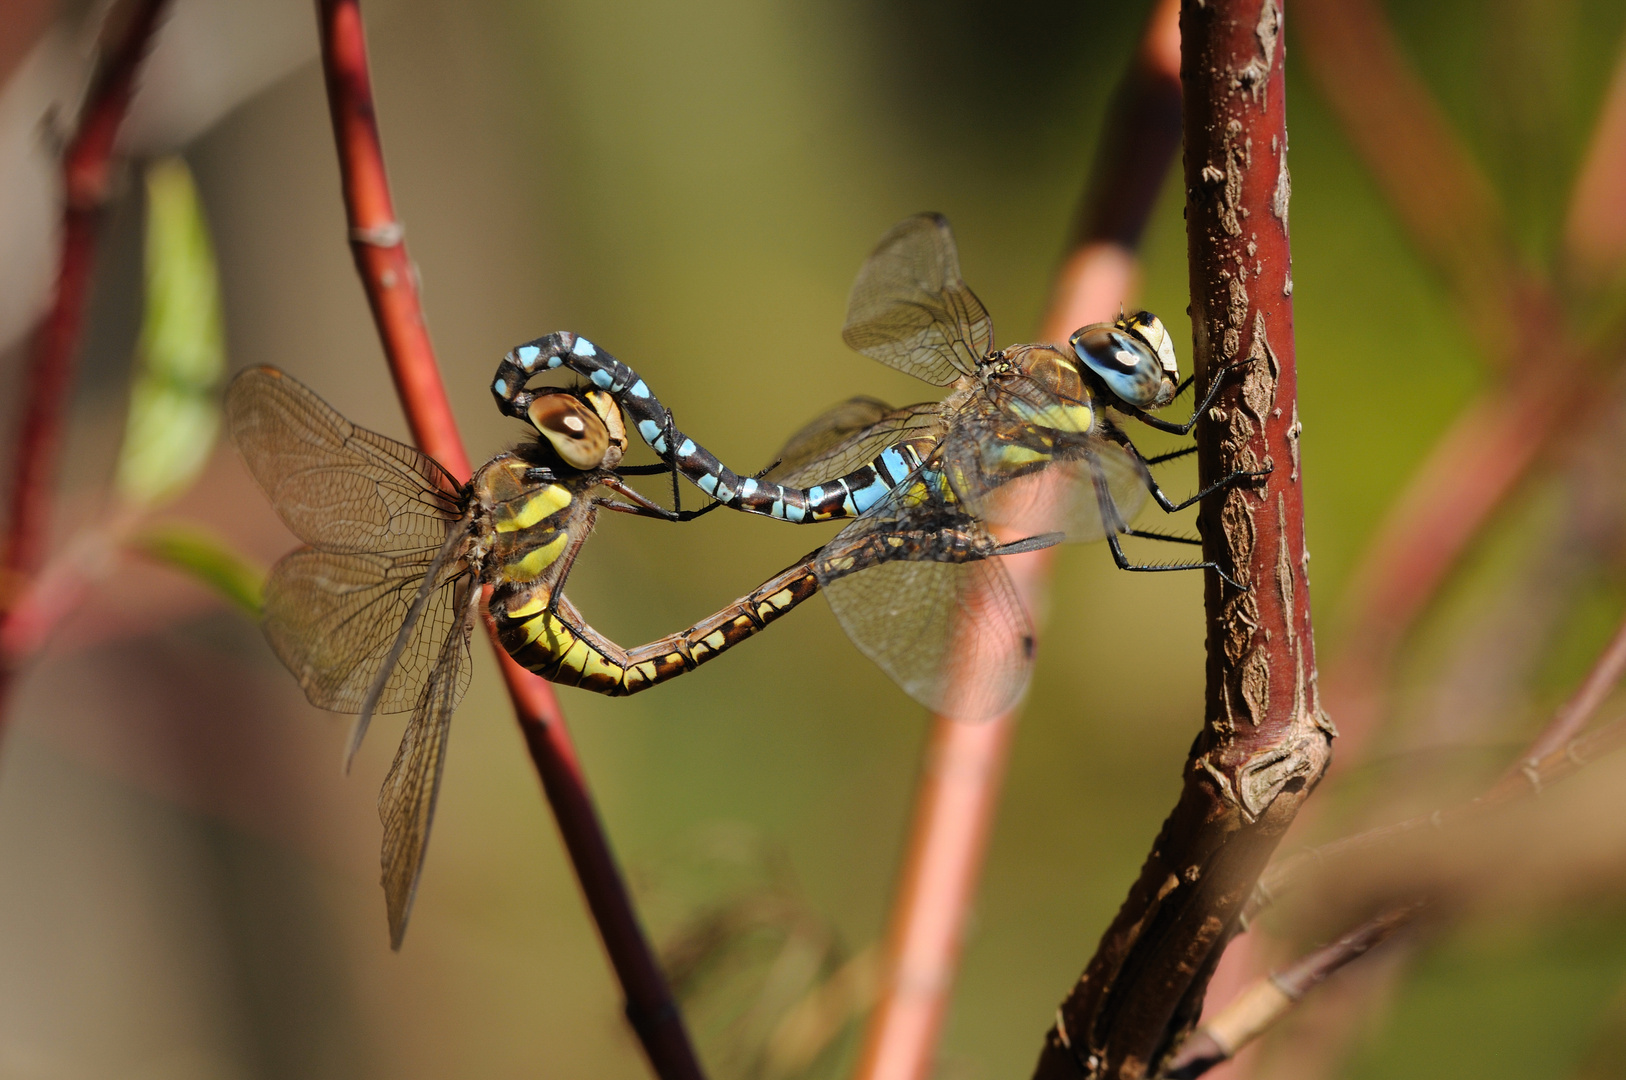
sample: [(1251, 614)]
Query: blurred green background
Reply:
[(190, 885)]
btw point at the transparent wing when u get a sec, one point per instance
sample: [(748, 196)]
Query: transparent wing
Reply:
[(1084, 491), (851, 435), (910, 310), (406, 802), (331, 619), (932, 609), (337, 486), (954, 636)]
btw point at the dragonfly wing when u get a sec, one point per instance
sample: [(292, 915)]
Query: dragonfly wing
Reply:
[(332, 617), (337, 486), (954, 636), (1085, 490), (406, 802), (851, 435), (932, 610), (910, 310)]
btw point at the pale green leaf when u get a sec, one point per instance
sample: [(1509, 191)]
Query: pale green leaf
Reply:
[(207, 559), (174, 411)]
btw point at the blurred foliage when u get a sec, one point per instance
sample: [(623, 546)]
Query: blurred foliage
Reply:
[(174, 416), (764, 981), (208, 559)]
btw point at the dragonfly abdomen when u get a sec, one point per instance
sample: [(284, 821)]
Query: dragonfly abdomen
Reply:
[(845, 496), (555, 642)]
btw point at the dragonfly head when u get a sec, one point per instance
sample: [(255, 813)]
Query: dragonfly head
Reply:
[(585, 429), (1133, 356)]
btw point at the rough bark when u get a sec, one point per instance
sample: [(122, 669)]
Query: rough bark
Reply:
[(1265, 741)]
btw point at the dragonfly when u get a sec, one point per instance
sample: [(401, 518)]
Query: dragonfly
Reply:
[(374, 613), (1009, 414), (1025, 439)]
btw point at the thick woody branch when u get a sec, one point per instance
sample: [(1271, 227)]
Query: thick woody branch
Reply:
[(87, 170), (390, 279), (965, 763), (1264, 741)]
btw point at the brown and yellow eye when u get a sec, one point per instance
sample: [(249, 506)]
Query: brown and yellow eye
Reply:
[(572, 428)]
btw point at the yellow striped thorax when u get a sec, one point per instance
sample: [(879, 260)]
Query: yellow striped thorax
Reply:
[(1063, 402), (1132, 357), (528, 513)]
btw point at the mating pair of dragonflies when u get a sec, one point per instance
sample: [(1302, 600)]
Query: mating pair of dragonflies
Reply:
[(375, 613)]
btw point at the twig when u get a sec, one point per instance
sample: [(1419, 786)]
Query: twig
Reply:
[(965, 763), (387, 274), (87, 169), (1265, 1001), (1265, 742), (1554, 752)]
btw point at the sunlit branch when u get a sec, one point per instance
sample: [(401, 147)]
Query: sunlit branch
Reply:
[(1265, 741), (378, 243)]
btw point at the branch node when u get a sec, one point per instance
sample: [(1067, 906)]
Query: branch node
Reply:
[(388, 235)]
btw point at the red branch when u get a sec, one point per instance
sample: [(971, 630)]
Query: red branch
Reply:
[(391, 283), (965, 763), (87, 169), (1265, 742)]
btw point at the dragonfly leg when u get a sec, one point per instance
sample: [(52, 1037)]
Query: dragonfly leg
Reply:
[(1169, 505), (567, 561), (1167, 538), (1196, 414), (1123, 562), (637, 503), (1170, 456), (1116, 526)]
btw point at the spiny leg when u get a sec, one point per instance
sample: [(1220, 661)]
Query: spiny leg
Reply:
[(1169, 505), (1196, 414), (1115, 526), (1170, 456)]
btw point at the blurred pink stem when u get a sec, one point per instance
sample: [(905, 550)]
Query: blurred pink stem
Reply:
[(87, 166), (965, 763)]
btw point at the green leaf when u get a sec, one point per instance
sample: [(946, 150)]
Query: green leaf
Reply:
[(174, 411), (209, 560)]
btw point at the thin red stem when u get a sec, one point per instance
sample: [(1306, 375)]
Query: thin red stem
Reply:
[(87, 169), (391, 283), (965, 763)]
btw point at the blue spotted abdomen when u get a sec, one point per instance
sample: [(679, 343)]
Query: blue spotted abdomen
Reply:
[(842, 497)]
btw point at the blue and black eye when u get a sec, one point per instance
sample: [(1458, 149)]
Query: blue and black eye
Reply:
[(1134, 358)]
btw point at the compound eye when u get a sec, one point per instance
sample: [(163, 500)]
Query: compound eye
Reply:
[(1150, 329), (1129, 367), (572, 428)]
